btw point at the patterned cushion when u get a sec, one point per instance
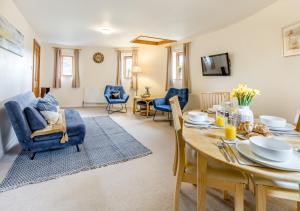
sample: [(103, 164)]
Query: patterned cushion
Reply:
[(34, 119), (50, 97), (48, 109), (115, 95)]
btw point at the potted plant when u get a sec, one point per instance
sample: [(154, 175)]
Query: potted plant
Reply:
[(244, 97)]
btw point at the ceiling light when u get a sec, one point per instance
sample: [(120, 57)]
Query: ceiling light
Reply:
[(105, 30)]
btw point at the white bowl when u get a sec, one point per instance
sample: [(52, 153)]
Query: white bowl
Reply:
[(273, 121), (197, 116), (271, 149)]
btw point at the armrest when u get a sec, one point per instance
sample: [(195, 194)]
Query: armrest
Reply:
[(125, 97), (107, 96)]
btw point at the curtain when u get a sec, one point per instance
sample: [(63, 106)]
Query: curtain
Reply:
[(186, 82), (169, 78), (76, 78), (57, 68), (119, 68), (135, 62)]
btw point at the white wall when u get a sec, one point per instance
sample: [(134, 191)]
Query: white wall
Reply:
[(255, 48), (15, 71), (94, 77)]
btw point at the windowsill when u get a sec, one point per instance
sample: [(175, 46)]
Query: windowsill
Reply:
[(67, 75)]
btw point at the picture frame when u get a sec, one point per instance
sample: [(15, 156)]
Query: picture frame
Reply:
[(291, 40)]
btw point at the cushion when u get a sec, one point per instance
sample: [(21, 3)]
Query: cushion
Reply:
[(34, 119), (166, 108), (115, 95), (48, 109), (50, 97)]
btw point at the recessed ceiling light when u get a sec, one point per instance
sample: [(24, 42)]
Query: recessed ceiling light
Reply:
[(105, 30)]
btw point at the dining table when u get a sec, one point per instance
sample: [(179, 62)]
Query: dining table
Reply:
[(204, 141)]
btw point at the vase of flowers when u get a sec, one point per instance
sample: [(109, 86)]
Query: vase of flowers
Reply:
[(244, 96)]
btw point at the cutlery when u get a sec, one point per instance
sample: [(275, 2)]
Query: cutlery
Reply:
[(222, 150), (228, 150)]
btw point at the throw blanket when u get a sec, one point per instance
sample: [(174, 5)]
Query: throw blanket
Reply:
[(59, 126)]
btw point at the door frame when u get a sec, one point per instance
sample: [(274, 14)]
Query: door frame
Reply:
[(36, 69)]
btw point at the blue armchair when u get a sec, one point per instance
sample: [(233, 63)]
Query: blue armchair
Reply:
[(162, 104), (21, 124), (121, 98)]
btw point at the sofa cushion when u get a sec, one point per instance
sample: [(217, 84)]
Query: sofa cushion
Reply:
[(50, 97), (48, 109), (75, 127), (166, 108), (35, 120)]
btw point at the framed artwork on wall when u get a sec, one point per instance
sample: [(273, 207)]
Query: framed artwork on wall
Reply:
[(11, 39), (291, 39)]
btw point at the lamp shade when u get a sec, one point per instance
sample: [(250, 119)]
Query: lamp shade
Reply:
[(136, 69)]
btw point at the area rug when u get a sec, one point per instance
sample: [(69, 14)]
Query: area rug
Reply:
[(106, 143)]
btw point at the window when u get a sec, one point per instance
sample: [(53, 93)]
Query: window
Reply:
[(127, 65), (67, 65), (177, 65)]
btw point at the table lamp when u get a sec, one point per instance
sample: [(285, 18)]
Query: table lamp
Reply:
[(136, 70)]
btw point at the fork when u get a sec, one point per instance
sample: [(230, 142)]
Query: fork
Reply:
[(222, 150)]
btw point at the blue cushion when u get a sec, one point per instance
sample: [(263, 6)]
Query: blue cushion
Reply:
[(166, 108), (34, 119), (46, 105), (49, 97)]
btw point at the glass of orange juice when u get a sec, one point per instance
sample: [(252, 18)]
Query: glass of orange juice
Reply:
[(230, 128), (220, 118)]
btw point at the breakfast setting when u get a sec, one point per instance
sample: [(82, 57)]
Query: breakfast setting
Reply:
[(263, 141)]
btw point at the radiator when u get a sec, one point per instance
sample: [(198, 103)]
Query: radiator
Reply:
[(93, 95)]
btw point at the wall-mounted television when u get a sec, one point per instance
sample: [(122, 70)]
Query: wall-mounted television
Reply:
[(216, 65)]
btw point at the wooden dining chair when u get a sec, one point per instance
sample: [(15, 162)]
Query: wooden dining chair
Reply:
[(208, 99), (264, 187), (218, 176)]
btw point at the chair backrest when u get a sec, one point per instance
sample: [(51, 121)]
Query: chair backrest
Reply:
[(208, 99), (178, 122), (15, 109), (111, 88), (183, 96)]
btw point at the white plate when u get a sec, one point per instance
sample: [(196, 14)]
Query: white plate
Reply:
[(288, 127), (208, 121), (292, 164), (273, 121)]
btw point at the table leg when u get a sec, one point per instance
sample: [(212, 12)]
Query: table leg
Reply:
[(134, 106), (201, 182), (147, 104)]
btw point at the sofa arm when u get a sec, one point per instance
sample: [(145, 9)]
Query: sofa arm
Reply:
[(107, 97)]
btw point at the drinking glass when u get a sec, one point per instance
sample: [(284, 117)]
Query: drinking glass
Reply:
[(220, 118), (230, 127)]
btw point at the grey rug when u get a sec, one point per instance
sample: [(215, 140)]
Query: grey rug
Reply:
[(106, 143)]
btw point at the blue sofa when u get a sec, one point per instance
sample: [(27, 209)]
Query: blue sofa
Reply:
[(15, 109), (123, 98), (163, 104)]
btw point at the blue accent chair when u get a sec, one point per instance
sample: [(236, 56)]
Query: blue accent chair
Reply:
[(123, 98), (15, 109), (162, 104)]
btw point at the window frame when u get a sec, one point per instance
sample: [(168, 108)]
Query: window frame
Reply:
[(127, 74), (62, 65), (179, 74)]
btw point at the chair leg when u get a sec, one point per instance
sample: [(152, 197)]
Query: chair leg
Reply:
[(298, 206), (178, 186), (32, 155), (175, 163), (225, 195), (125, 108), (261, 198), (154, 115), (239, 197), (77, 147)]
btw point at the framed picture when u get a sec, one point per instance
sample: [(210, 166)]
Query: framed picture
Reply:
[(291, 40), (11, 39)]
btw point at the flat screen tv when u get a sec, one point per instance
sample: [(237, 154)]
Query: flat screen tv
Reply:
[(216, 65)]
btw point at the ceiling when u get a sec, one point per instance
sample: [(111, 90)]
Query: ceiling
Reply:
[(73, 22)]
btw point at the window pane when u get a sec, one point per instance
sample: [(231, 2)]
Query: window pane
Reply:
[(127, 66), (67, 65)]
